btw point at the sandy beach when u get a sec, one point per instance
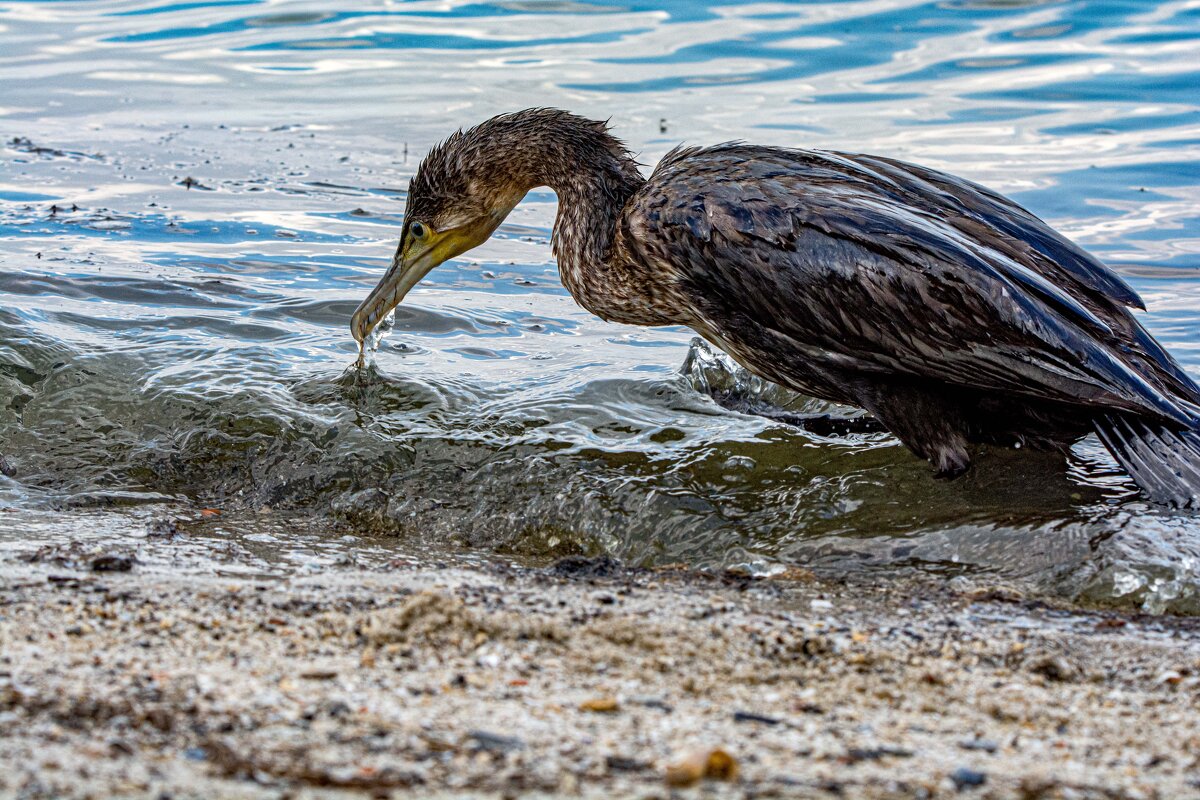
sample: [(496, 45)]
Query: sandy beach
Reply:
[(584, 679)]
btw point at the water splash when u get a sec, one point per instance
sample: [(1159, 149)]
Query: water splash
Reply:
[(370, 344), (716, 374)]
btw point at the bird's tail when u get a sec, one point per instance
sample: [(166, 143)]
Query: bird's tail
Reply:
[(1163, 461)]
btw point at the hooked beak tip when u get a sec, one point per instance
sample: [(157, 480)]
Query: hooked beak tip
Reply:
[(388, 294), (369, 314), (357, 327)]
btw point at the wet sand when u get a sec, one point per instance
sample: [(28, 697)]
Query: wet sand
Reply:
[(585, 680)]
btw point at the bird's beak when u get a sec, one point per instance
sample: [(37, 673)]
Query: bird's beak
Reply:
[(413, 260), (416, 257)]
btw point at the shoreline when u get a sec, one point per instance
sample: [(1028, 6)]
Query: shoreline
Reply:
[(584, 679)]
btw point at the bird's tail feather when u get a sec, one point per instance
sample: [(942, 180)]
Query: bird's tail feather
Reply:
[(1164, 462)]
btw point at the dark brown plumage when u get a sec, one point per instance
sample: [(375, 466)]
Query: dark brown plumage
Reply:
[(944, 309)]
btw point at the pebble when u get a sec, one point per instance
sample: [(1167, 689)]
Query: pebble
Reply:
[(1055, 668), (495, 742), (966, 778), (713, 764), (653, 702), (601, 705), (624, 764), (1171, 677), (112, 563), (856, 754), (985, 745)]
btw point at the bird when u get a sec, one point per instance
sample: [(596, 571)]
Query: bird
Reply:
[(951, 314)]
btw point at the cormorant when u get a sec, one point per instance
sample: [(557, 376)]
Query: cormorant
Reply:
[(947, 311)]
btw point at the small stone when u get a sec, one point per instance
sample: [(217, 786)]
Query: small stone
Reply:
[(601, 705), (1169, 677), (625, 764), (934, 679), (112, 563), (337, 708), (713, 764), (857, 755), (966, 778), (1055, 668), (652, 702), (585, 567), (495, 742), (119, 747), (984, 745)]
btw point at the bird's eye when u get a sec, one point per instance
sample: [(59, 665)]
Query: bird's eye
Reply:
[(418, 230)]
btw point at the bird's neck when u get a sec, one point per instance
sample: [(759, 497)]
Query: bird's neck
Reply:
[(591, 200), (593, 176)]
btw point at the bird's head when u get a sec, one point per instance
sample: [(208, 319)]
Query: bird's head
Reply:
[(456, 199)]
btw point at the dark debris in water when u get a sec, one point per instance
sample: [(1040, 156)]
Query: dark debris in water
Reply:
[(24, 144), (115, 499), (191, 183)]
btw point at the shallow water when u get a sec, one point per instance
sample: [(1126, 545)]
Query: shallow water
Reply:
[(195, 196)]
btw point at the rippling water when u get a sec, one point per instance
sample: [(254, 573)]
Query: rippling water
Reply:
[(194, 196)]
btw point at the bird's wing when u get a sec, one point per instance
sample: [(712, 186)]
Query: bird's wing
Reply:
[(873, 266), (1021, 236)]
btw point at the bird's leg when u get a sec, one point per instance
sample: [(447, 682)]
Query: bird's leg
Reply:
[(925, 422), (950, 460)]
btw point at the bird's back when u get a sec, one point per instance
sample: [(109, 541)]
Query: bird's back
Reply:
[(891, 266)]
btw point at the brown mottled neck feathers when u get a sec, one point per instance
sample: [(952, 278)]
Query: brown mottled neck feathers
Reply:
[(593, 175)]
